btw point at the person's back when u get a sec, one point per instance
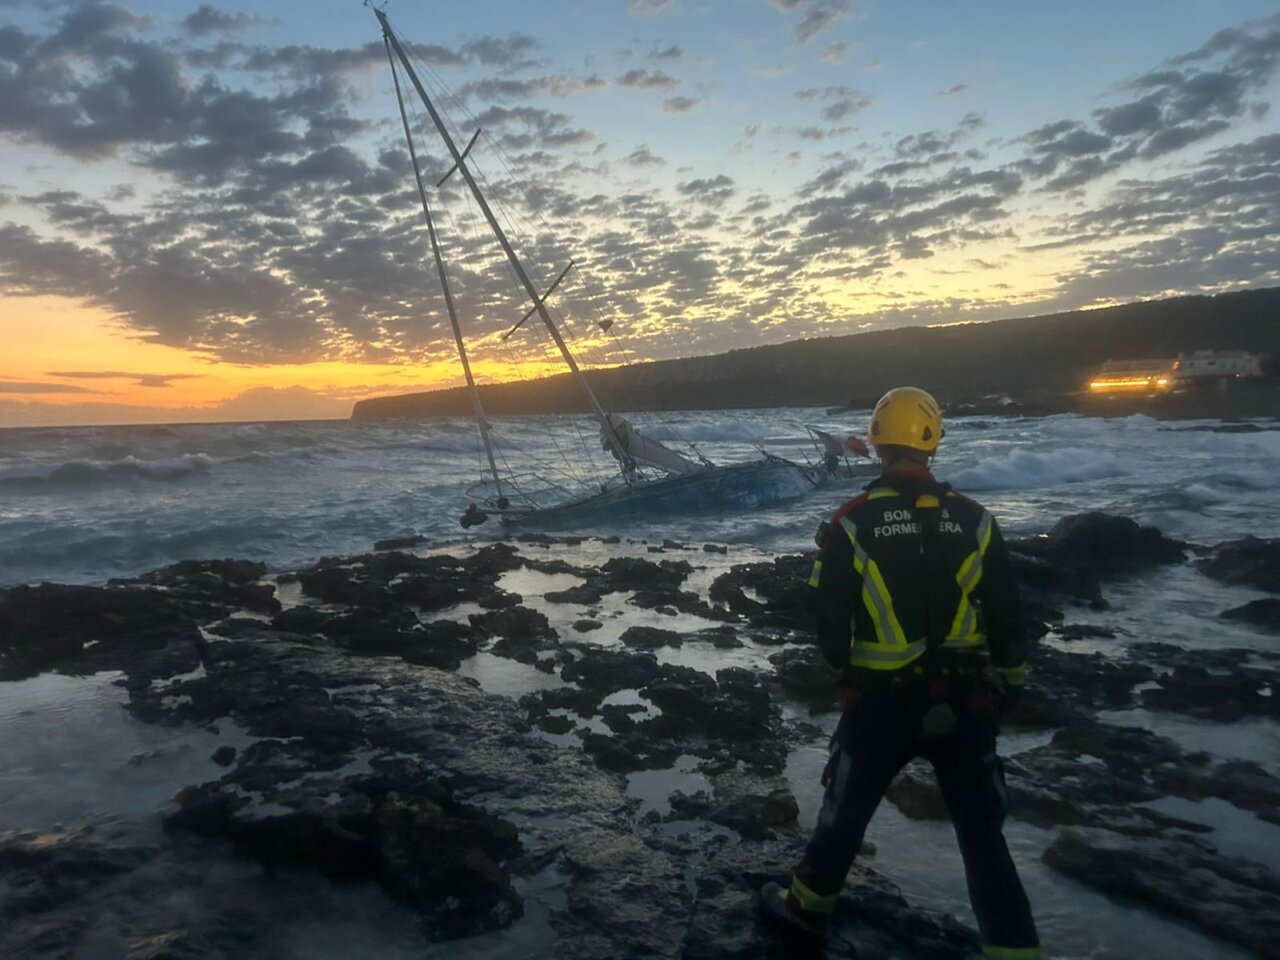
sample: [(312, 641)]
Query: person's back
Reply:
[(915, 603)]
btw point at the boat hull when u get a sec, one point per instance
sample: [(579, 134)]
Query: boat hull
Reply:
[(719, 489)]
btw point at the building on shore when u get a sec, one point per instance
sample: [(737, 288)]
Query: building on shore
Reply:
[(1187, 371)]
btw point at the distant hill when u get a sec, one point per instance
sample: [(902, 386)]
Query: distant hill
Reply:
[(1031, 359)]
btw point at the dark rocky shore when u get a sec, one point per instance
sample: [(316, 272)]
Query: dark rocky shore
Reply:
[(373, 762)]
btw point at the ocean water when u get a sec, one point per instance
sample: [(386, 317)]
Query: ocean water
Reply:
[(84, 504), (81, 505)]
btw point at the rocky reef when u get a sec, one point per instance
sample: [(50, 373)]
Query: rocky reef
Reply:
[(374, 760)]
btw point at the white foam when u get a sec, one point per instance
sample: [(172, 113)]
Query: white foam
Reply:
[(90, 473), (1024, 469)]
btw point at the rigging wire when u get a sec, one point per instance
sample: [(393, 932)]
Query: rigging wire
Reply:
[(584, 343)]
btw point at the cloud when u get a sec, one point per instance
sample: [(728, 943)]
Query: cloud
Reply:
[(208, 19), (27, 386), (673, 52), (838, 102), (818, 16), (835, 52), (715, 189), (680, 104), (953, 90), (642, 157), (651, 8), (140, 379), (816, 22), (646, 80), (505, 90)]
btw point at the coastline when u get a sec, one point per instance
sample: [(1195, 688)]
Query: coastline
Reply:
[(551, 711)]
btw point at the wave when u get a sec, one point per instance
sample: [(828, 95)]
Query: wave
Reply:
[(726, 431), (1026, 469), (72, 474)]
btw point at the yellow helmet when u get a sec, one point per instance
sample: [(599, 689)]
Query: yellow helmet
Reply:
[(907, 417)]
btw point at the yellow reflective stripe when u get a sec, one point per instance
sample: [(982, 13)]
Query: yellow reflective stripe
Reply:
[(973, 641), (1013, 676), (880, 493), (810, 900), (927, 501), (879, 656), (816, 575), (965, 623), (875, 594), (1011, 953)]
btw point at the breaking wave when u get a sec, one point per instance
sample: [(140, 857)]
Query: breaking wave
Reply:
[(98, 473), (1025, 469)]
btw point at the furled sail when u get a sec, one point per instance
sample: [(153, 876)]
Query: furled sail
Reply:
[(642, 449)]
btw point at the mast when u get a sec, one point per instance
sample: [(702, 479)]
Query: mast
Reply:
[(444, 280), (538, 301)]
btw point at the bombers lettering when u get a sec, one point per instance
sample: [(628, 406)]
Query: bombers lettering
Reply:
[(906, 524)]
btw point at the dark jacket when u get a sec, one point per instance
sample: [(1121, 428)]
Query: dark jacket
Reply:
[(912, 573)]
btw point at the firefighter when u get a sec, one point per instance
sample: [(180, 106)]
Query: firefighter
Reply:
[(916, 605)]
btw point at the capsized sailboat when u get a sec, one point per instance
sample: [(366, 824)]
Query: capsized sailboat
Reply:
[(650, 477)]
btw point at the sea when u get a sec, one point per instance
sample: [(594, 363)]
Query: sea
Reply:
[(85, 504)]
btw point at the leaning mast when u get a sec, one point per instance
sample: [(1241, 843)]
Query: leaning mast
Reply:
[(444, 280), (539, 302)]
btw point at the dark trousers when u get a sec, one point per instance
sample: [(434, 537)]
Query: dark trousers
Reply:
[(952, 723)]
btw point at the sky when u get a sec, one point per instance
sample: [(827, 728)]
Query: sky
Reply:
[(208, 211)]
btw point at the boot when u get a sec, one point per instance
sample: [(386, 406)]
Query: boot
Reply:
[(778, 906)]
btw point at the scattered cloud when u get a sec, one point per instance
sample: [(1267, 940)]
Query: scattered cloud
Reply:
[(651, 8), (646, 80), (140, 379), (29, 386), (951, 91), (680, 104), (835, 52), (206, 19)]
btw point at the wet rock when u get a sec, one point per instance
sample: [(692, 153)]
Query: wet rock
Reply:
[(86, 629), (388, 632), (607, 671), (780, 584), (1042, 578), (1263, 613), (624, 575), (1103, 545), (584, 703), (400, 543), (1251, 562), (715, 548), (669, 598), (1069, 687), (722, 638), (584, 626), (754, 806), (1196, 692), (1081, 631), (522, 633), (872, 918), (805, 675), (650, 638), (398, 826), (630, 751), (224, 756), (1244, 783), (915, 793), (1228, 897)]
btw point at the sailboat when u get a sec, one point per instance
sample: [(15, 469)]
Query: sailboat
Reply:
[(650, 478)]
